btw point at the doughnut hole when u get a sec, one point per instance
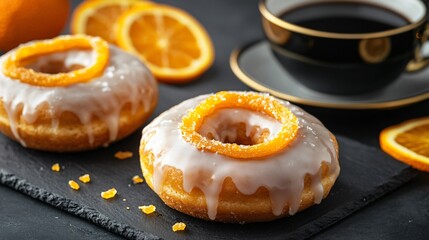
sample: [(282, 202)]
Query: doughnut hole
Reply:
[(62, 62), (234, 125)]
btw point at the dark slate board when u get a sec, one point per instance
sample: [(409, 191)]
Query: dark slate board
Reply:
[(366, 174)]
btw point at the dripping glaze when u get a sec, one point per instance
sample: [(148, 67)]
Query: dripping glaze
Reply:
[(281, 174), (124, 80)]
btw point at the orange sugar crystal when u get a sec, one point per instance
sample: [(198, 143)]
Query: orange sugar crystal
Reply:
[(56, 167), (85, 178), (148, 209), (179, 226), (74, 185), (123, 155), (137, 179), (111, 193)]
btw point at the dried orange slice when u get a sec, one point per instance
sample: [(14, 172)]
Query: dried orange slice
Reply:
[(408, 142), (98, 17), (174, 45), (15, 64), (252, 101)]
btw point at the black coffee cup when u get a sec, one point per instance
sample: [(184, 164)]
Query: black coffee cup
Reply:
[(346, 46)]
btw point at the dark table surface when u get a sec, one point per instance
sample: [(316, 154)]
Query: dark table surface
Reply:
[(402, 214)]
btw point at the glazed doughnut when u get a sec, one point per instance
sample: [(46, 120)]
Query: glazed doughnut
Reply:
[(73, 93), (250, 181)]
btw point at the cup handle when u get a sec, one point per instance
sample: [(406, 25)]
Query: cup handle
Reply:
[(419, 62)]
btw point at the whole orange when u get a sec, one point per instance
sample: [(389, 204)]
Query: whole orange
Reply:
[(25, 20)]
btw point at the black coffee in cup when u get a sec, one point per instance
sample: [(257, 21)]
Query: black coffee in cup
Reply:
[(344, 46), (344, 17)]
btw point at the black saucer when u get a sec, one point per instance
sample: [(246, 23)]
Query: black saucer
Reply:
[(255, 65)]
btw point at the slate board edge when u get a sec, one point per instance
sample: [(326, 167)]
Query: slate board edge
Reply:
[(72, 207), (349, 208), (92, 215)]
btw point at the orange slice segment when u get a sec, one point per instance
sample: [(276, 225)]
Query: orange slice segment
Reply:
[(98, 17), (15, 65), (252, 101), (408, 142), (171, 42)]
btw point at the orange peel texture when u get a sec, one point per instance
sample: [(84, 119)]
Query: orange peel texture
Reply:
[(15, 65), (252, 101)]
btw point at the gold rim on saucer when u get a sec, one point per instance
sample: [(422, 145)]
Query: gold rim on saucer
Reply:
[(249, 81)]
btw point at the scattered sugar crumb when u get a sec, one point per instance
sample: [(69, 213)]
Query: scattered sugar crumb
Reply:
[(179, 226), (74, 185), (148, 209), (109, 193), (124, 200), (123, 155), (137, 179), (85, 178), (128, 208), (56, 167)]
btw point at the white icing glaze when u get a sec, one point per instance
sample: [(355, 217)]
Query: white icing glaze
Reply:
[(282, 174), (125, 80)]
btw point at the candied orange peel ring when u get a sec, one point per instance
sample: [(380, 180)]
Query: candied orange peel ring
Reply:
[(252, 101), (15, 65)]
